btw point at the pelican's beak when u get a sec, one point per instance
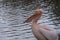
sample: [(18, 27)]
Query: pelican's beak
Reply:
[(29, 19)]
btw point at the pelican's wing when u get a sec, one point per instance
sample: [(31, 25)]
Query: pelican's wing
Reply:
[(50, 35)]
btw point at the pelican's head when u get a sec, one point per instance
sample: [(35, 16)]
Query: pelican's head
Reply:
[(37, 13)]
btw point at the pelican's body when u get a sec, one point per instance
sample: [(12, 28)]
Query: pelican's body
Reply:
[(41, 32)]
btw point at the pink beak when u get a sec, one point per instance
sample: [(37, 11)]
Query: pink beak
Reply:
[(29, 19)]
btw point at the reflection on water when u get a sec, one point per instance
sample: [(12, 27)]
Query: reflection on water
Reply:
[(12, 17)]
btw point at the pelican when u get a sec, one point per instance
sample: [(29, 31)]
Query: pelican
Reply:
[(41, 32)]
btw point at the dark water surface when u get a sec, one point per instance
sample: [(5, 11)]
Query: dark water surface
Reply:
[(12, 16)]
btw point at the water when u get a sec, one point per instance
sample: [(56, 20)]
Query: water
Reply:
[(12, 16)]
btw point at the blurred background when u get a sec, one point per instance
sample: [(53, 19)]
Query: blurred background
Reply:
[(14, 12)]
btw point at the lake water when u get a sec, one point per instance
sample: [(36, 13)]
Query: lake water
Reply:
[(12, 16)]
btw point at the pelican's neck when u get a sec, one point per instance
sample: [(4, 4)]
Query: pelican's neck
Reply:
[(35, 20)]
